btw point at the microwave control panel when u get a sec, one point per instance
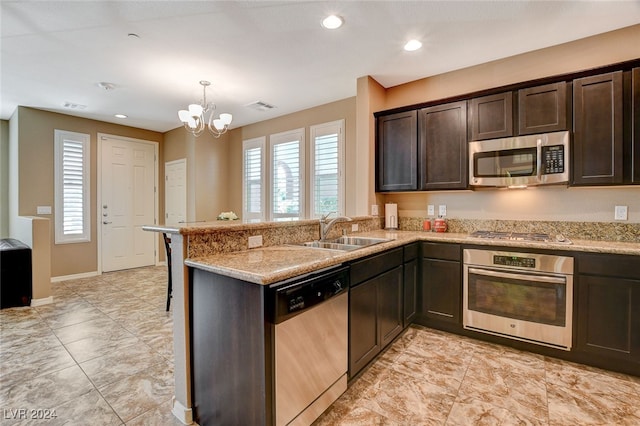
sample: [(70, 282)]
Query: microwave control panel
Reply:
[(552, 159)]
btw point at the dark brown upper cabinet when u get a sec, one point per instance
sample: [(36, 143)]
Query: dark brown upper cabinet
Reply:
[(598, 130), (542, 109), (491, 117), (442, 135), (397, 152), (635, 136)]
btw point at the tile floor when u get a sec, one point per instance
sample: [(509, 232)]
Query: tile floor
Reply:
[(101, 354)]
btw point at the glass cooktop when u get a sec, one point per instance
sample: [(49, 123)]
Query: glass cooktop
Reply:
[(514, 236)]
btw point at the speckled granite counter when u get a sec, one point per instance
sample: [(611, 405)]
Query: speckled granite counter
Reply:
[(267, 265)]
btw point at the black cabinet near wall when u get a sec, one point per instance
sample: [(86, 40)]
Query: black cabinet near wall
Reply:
[(608, 310), (397, 152), (443, 146), (491, 117), (440, 288), (543, 109), (598, 130), (375, 306), (410, 282)]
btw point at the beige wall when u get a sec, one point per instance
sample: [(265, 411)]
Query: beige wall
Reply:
[(543, 203), (35, 134), (344, 109)]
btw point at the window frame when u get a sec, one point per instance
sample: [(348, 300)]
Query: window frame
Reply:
[(278, 139), (250, 144), (60, 137), (319, 130)]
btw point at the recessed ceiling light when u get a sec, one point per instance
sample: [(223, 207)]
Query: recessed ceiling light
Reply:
[(121, 116), (412, 45), (332, 22), (106, 85)]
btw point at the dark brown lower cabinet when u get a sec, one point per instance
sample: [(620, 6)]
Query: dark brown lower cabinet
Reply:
[(608, 310), (410, 283), (375, 309), (440, 289)]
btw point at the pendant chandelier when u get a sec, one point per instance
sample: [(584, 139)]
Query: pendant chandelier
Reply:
[(195, 117)]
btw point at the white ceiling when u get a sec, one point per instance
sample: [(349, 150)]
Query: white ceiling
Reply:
[(276, 52)]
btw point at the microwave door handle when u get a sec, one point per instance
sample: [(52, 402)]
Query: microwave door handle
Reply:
[(536, 278), (539, 159)]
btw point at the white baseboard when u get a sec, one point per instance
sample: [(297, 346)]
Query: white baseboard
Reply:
[(182, 413), (40, 302), (74, 276)]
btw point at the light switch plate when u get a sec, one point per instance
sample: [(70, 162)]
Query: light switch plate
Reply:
[(431, 210), (255, 241), (43, 210), (442, 210), (620, 213), (374, 210)]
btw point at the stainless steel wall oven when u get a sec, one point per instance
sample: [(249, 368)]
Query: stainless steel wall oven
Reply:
[(523, 296)]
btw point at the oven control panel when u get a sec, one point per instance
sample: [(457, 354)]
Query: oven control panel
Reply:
[(521, 262)]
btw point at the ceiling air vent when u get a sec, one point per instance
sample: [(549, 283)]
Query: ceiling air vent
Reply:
[(260, 106), (71, 105)]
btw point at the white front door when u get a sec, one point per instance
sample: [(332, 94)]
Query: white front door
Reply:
[(127, 203), (175, 191)]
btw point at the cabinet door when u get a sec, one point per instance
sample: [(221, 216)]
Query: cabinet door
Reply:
[(364, 342), (410, 282), (491, 117), (397, 152), (390, 299), (635, 137), (542, 109), (609, 317), (598, 130), (443, 146), (441, 290)]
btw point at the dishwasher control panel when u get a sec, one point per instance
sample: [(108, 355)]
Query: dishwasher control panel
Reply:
[(292, 298)]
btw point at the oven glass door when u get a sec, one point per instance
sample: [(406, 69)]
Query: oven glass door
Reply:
[(506, 163), (536, 298)]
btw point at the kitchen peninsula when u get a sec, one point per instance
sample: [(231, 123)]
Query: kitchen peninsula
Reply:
[(220, 249)]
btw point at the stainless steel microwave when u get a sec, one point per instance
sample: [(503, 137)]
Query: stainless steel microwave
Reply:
[(520, 161)]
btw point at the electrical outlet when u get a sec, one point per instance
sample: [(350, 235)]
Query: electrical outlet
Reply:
[(43, 210), (431, 210), (374, 210), (442, 210), (354, 227), (255, 241), (620, 213)]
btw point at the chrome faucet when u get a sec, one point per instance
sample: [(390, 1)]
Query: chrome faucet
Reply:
[(325, 226)]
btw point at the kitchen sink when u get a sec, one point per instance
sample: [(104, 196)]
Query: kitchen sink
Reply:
[(345, 243), (359, 241)]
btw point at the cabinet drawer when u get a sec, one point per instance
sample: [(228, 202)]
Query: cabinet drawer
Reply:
[(372, 266), (411, 251), (623, 266), (443, 251)]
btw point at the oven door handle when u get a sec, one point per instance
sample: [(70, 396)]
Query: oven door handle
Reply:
[(537, 278)]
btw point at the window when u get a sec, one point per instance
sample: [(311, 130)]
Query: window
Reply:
[(253, 199), (287, 172), (327, 177), (71, 174)]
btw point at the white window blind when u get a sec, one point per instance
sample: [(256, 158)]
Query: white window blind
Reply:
[(287, 171), (327, 176), (253, 199), (72, 223)]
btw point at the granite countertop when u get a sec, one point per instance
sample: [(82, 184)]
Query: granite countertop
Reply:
[(267, 265)]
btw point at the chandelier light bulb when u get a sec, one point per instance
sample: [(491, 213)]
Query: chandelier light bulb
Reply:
[(226, 118)]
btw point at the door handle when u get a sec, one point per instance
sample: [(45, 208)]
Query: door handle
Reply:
[(105, 222)]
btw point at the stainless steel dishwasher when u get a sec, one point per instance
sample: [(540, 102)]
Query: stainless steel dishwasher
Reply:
[(310, 329)]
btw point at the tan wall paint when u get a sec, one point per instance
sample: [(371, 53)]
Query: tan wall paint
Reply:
[(344, 109), (573, 204), (35, 143)]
